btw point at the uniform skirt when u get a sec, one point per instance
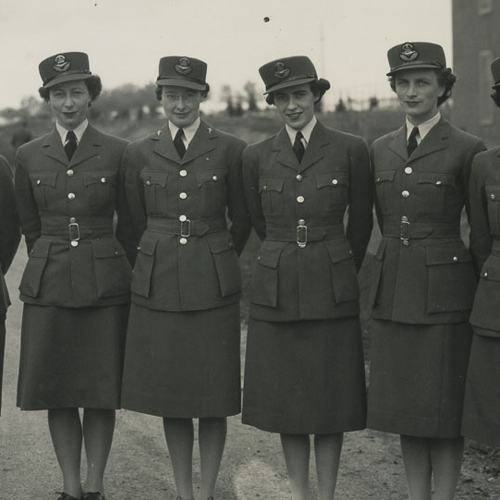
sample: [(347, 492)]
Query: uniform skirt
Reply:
[(417, 378), (305, 377), (183, 364), (71, 358), (481, 420)]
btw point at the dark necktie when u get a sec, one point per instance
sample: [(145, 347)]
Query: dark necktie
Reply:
[(179, 143), (412, 141), (70, 145), (298, 146)]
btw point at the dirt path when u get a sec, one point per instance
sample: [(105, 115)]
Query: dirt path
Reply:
[(252, 468)]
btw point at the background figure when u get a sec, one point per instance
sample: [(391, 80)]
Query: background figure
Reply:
[(424, 282), (182, 358), (76, 285), (482, 396), (9, 241), (304, 369)]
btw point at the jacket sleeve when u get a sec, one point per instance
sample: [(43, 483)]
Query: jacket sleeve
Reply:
[(360, 211), (27, 209), (9, 219), (237, 208), (480, 237), (251, 186), (476, 148)]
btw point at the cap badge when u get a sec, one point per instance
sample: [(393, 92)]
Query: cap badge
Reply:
[(183, 67), (61, 64), (408, 53), (280, 70)]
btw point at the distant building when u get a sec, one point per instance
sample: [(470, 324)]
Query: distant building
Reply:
[(476, 42)]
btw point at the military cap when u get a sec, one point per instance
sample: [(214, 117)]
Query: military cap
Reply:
[(287, 72), (495, 71), (416, 55), (182, 72), (64, 67)]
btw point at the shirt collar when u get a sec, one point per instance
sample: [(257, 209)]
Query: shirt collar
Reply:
[(189, 131), (78, 131), (423, 128), (306, 131)]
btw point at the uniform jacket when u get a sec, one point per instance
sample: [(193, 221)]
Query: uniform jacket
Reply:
[(485, 240), (293, 281), (66, 209), (193, 264), (423, 272), (9, 230)]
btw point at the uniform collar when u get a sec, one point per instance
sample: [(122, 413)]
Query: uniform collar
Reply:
[(306, 131), (188, 131), (424, 128), (78, 131)]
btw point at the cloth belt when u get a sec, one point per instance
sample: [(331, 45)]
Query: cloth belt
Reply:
[(76, 228), (186, 228), (303, 234), (407, 231)]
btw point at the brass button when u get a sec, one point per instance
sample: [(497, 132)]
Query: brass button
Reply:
[(438, 183), (71, 196), (455, 259), (183, 173), (183, 195), (74, 243), (103, 179), (38, 182), (183, 241), (492, 196), (300, 199), (70, 172), (408, 170), (298, 177), (214, 178), (182, 218), (405, 193), (148, 182), (485, 275), (335, 182)]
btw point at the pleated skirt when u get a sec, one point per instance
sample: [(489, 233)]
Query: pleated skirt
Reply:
[(304, 377), (183, 364), (417, 378), (481, 420), (71, 358)]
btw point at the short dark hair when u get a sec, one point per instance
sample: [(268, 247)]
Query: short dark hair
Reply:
[(94, 86), (445, 78), (318, 87), (159, 91)]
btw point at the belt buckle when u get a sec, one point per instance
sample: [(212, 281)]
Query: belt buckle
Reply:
[(74, 231), (185, 228), (302, 234), (404, 231)]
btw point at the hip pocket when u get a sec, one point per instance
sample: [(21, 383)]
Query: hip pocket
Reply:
[(143, 268), (32, 276), (226, 264)]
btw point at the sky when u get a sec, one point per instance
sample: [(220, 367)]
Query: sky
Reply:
[(347, 40)]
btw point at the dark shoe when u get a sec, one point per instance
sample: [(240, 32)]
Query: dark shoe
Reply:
[(65, 496), (93, 495)]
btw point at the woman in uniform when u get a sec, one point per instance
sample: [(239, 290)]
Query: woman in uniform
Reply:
[(76, 284), (182, 357), (424, 281), (482, 396), (304, 371)]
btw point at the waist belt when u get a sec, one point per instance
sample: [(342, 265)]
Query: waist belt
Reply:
[(76, 228), (406, 231), (186, 228), (303, 234)]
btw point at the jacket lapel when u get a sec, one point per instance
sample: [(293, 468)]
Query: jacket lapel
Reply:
[(397, 143), (284, 152), (435, 140), (89, 146), (314, 151), (201, 144), (165, 144), (53, 147)]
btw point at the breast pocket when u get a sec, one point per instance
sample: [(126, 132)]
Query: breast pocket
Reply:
[(271, 194), (433, 191), (213, 191), (101, 189), (493, 199), (384, 185), (44, 187), (333, 190), (155, 192), (452, 280)]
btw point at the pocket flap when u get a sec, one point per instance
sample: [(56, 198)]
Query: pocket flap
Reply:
[(44, 178), (219, 244), (209, 176), (147, 245), (155, 178), (384, 176), (269, 256), (436, 178), (107, 247), (271, 184), (333, 179), (338, 250), (491, 269), (99, 178), (41, 249), (451, 253)]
